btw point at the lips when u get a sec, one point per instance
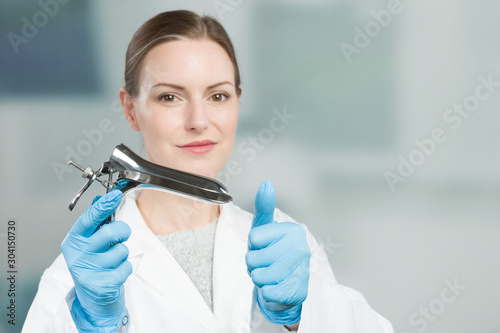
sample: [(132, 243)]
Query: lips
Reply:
[(198, 147)]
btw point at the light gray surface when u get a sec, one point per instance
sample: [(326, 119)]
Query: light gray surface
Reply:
[(401, 248), (194, 251)]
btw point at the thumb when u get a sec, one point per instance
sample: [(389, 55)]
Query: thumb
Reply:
[(97, 213), (97, 197), (265, 201)]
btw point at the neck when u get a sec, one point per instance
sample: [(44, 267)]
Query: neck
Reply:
[(166, 213)]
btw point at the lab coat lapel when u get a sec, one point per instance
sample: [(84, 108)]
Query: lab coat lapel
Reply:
[(154, 263), (231, 282)]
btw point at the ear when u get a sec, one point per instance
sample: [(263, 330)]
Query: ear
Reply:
[(129, 109)]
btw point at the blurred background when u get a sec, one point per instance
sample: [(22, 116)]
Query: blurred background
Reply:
[(377, 121)]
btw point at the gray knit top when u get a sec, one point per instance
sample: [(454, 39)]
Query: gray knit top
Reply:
[(194, 251)]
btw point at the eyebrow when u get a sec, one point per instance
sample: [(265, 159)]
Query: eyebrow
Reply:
[(183, 88)]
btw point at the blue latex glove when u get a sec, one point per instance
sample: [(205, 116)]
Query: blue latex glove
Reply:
[(97, 261), (277, 261)]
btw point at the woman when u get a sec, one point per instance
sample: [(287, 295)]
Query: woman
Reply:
[(171, 264)]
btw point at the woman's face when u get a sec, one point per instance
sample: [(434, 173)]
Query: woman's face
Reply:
[(187, 107)]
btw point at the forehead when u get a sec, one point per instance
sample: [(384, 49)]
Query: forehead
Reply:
[(187, 62)]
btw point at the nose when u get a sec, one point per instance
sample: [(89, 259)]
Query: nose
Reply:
[(196, 117)]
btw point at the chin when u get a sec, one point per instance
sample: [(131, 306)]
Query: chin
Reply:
[(202, 167), (201, 170), (204, 173)]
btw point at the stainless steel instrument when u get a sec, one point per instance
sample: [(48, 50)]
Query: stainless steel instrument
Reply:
[(134, 172)]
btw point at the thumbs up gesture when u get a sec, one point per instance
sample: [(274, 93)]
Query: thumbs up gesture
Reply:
[(278, 261)]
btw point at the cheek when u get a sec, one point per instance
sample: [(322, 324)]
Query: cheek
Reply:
[(157, 124), (230, 123)]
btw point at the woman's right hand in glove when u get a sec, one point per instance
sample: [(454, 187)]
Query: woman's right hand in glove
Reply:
[(97, 260)]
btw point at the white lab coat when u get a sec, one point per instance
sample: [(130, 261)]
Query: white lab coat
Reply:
[(160, 297)]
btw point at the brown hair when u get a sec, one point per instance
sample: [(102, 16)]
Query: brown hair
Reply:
[(174, 25)]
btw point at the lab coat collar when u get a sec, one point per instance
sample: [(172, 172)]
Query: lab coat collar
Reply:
[(154, 263), (229, 257)]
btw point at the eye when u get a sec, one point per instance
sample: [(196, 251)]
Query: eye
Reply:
[(167, 98), (219, 97)]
